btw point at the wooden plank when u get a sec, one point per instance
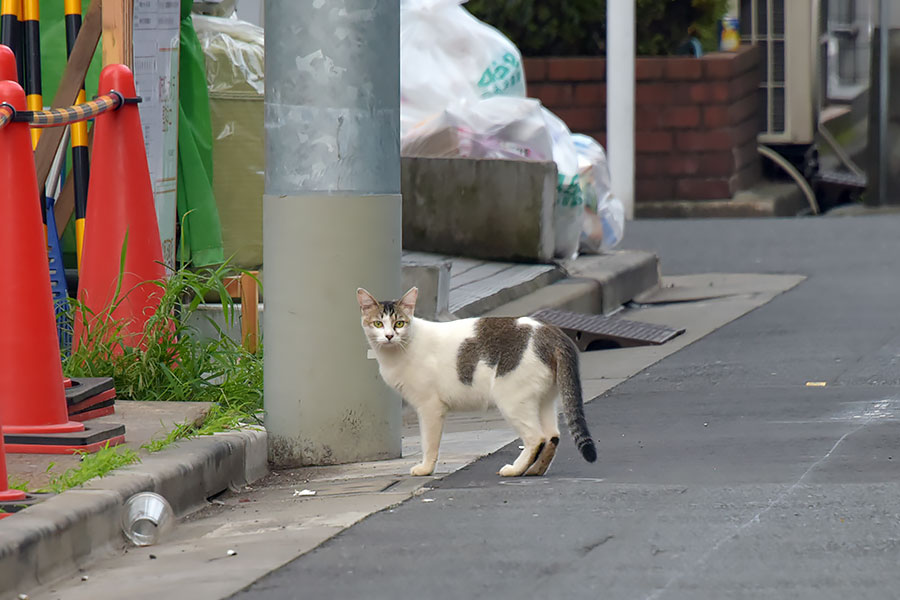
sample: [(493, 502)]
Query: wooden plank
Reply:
[(245, 287), (65, 206), (249, 312), (69, 86), (118, 20)]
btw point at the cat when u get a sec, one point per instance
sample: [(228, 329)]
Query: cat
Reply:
[(519, 364)]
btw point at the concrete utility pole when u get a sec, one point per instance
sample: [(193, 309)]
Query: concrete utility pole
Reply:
[(331, 223), (620, 50)]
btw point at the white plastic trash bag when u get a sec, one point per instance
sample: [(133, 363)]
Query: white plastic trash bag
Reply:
[(447, 55), (497, 127), (462, 93), (604, 214), (568, 213)]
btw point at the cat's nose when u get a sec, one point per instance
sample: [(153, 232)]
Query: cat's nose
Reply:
[(389, 336)]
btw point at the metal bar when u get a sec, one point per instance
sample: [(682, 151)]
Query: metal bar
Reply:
[(796, 175), (621, 94), (770, 70), (56, 168), (754, 26), (884, 80), (839, 151)]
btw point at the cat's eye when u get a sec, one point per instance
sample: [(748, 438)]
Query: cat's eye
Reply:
[(399, 324), (378, 324)]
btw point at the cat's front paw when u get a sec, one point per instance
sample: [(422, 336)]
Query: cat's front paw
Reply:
[(508, 471), (421, 470)]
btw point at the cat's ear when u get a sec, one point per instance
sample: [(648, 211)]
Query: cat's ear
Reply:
[(366, 300), (408, 301)]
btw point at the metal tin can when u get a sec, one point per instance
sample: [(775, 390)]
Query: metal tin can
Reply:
[(730, 34)]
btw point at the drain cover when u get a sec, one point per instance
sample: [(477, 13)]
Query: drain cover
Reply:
[(598, 331)]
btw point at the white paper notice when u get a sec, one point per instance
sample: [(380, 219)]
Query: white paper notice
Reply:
[(155, 39)]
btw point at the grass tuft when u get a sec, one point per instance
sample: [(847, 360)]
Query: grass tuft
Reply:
[(172, 362), (93, 465)]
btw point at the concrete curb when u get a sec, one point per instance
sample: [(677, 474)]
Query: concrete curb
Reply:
[(596, 284), (64, 532), (621, 276)]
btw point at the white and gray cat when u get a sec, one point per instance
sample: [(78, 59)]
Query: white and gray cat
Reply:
[(519, 364)]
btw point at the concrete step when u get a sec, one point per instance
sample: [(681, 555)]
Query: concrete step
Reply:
[(767, 199)]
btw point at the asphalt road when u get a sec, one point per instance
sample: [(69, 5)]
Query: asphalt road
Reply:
[(722, 474)]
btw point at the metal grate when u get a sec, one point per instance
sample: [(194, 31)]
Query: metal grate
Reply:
[(592, 331)]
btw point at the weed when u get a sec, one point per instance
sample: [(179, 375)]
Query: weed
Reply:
[(93, 465), (171, 361), (218, 420), (15, 483)]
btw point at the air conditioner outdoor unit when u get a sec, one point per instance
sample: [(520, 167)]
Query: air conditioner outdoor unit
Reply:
[(788, 32)]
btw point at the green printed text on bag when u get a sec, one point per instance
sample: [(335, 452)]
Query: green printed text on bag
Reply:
[(568, 191), (500, 76)]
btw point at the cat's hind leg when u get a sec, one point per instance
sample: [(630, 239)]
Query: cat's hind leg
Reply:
[(524, 418), (550, 429)]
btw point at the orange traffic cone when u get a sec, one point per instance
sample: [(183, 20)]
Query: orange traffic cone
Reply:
[(7, 64), (120, 207), (32, 394), (6, 495)]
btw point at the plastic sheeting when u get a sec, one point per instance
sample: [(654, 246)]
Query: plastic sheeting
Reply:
[(235, 77)]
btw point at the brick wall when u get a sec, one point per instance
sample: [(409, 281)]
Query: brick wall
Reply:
[(696, 120)]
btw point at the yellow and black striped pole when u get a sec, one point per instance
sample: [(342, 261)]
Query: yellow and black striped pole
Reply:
[(80, 165), (31, 15), (34, 99), (11, 31)]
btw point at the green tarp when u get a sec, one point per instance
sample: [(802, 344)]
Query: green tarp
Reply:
[(201, 228)]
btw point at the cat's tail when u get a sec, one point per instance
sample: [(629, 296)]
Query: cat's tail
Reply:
[(568, 380)]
